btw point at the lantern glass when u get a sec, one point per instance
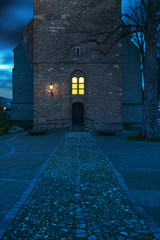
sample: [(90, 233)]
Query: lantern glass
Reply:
[(51, 86)]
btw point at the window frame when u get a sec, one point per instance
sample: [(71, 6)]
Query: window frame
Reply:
[(78, 51), (80, 88)]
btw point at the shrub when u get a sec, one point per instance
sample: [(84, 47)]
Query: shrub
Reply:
[(4, 127)]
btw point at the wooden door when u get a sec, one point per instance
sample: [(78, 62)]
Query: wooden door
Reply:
[(78, 115)]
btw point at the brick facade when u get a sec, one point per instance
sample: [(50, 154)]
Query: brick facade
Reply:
[(132, 100), (102, 99), (59, 28), (22, 105)]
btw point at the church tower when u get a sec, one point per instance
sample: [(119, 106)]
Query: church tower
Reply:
[(77, 80)]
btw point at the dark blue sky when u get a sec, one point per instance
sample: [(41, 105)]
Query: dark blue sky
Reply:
[(14, 14)]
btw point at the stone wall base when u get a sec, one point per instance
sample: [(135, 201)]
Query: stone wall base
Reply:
[(104, 125), (22, 112), (52, 125), (68, 124)]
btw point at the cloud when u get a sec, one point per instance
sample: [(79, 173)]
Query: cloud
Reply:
[(6, 78), (12, 20), (6, 87), (6, 84), (7, 58), (13, 16), (6, 61), (19, 15), (10, 3), (5, 4), (5, 92), (5, 67)]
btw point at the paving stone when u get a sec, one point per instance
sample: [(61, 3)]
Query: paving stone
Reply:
[(81, 226), (81, 236), (92, 237), (97, 231), (77, 197), (124, 233), (133, 234), (142, 231), (79, 231)]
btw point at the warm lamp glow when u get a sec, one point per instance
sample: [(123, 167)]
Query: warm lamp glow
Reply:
[(51, 86), (4, 108)]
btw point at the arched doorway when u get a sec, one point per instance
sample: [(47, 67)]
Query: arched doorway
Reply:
[(78, 114)]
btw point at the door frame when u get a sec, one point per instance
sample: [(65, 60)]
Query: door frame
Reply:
[(74, 104)]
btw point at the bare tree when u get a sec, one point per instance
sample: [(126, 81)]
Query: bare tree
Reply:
[(151, 69), (142, 22)]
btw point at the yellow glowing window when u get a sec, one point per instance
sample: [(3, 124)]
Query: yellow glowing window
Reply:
[(81, 86), (81, 91), (78, 86), (81, 80), (74, 91), (74, 85), (74, 80)]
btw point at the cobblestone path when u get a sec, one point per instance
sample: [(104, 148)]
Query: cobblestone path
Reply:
[(77, 197)]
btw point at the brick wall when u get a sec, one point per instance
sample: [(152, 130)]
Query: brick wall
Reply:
[(131, 83), (22, 106), (60, 27), (113, 88), (102, 99)]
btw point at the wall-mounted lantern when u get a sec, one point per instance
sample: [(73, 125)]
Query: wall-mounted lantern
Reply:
[(51, 88), (4, 108)]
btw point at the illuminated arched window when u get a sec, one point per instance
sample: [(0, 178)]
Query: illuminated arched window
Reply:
[(78, 85)]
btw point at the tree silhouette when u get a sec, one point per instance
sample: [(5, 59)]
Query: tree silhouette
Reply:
[(142, 22)]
